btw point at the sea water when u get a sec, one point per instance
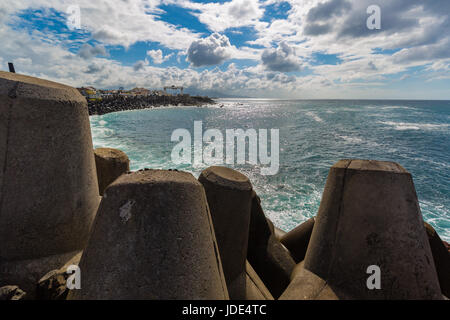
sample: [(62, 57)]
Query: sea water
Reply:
[(313, 135)]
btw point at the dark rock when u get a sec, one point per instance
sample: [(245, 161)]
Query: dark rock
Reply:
[(11, 293), (116, 103), (52, 286)]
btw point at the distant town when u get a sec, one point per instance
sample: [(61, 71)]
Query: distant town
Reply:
[(93, 94), (105, 101)]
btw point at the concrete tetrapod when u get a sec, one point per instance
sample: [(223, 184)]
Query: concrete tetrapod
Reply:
[(255, 288), (270, 259), (110, 164), (369, 216), (229, 199), (152, 239), (441, 258), (297, 240), (48, 184)]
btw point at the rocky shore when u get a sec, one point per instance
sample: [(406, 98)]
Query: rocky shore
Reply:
[(163, 234), (124, 102)]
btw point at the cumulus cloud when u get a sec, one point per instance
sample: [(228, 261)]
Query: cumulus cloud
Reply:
[(158, 56), (326, 10), (87, 51), (424, 53), (315, 29), (282, 59), (231, 14), (212, 50), (415, 29), (139, 65), (94, 68), (120, 23)]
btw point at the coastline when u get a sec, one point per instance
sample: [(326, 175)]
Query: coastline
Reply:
[(283, 202), (122, 103), (165, 234)]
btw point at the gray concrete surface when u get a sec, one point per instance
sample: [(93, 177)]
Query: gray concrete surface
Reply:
[(110, 164), (48, 184), (229, 199), (268, 257), (152, 239), (370, 215)]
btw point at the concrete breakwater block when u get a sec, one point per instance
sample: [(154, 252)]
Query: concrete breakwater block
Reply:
[(279, 233), (369, 218), (441, 258), (48, 184), (110, 164), (229, 198), (268, 257), (297, 240), (254, 286), (152, 239), (306, 285)]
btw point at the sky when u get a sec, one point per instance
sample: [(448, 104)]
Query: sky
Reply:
[(295, 49)]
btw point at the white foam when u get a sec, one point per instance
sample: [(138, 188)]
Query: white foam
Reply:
[(314, 116), (351, 139), (414, 126)]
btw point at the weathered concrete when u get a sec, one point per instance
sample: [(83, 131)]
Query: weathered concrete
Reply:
[(48, 184), (255, 288), (229, 198), (278, 233), (308, 286), (369, 215), (154, 239), (297, 240), (441, 258), (110, 164), (269, 222), (268, 257)]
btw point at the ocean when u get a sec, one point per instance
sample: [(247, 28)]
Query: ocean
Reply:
[(313, 135)]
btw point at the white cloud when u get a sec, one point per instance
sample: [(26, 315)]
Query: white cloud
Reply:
[(232, 14), (420, 31), (140, 65), (212, 50), (282, 59), (158, 56), (115, 23), (87, 51)]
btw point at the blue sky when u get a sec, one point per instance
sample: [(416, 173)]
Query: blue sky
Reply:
[(274, 49)]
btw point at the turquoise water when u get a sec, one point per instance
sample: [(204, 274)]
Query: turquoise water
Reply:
[(313, 136)]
